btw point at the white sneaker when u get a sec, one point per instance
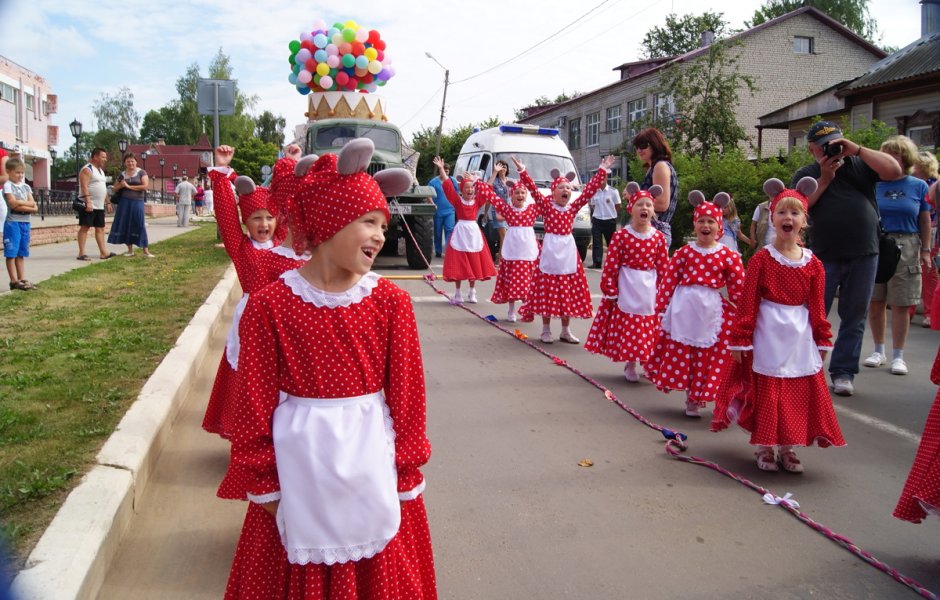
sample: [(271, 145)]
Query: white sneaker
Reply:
[(692, 409), (842, 387), (457, 299), (875, 360), (630, 374), (511, 317), (898, 367), (546, 337), (472, 296), (567, 336)]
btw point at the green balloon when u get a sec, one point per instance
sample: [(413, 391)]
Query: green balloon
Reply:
[(349, 34), (349, 60), (294, 46)]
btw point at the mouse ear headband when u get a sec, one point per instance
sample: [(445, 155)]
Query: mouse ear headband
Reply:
[(776, 190), (632, 193)]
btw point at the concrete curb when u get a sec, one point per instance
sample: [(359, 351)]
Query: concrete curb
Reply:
[(72, 556)]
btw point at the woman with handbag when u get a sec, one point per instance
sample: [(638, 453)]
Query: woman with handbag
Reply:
[(128, 194), (905, 218)]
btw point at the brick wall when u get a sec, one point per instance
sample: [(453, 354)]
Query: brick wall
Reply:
[(53, 234)]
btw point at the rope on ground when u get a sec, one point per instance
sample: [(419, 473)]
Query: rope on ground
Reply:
[(676, 444)]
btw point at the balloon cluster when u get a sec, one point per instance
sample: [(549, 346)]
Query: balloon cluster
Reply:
[(342, 57)]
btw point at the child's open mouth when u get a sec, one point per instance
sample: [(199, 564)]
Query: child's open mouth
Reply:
[(787, 227), (370, 253), (644, 214)]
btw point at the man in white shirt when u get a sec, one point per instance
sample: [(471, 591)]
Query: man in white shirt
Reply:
[(184, 201), (603, 222), (93, 189)]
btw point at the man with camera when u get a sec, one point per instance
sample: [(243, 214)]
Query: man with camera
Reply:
[(843, 234)]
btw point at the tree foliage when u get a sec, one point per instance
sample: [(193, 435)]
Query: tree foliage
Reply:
[(251, 155), (682, 34), (115, 112), (163, 123), (270, 128), (851, 13), (425, 142), (705, 95), (522, 113)]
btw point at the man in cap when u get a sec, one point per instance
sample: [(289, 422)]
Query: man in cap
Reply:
[(844, 235)]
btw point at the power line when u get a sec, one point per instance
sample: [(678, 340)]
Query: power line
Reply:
[(411, 118)]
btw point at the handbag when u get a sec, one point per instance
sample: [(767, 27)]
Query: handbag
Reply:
[(78, 203), (889, 255), (116, 197)]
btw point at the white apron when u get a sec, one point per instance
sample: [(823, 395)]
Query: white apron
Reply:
[(783, 341), (232, 343), (519, 244), (339, 486), (559, 255), (466, 237), (637, 291), (694, 316)]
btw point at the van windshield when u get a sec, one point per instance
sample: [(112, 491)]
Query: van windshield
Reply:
[(336, 136), (539, 166)]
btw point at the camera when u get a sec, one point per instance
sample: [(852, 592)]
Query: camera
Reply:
[(830, 150)]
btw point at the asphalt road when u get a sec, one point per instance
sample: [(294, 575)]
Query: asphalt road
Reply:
[(513, 515)]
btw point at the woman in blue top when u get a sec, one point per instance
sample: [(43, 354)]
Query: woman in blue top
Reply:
[(652, 148), (905, 217)]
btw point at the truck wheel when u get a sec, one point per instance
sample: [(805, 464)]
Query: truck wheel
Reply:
[(582, 248), (422, 228)]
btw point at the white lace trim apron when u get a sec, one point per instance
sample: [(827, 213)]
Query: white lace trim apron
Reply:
[(559, 255), (636, 291), (339, 486), (694, 316), (519, 244), (466, 237), (232, 343), (263, 245), (783, 341)]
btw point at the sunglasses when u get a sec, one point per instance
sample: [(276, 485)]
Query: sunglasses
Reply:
[(641, 146)]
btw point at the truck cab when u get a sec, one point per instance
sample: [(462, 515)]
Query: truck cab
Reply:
[(541, 150)]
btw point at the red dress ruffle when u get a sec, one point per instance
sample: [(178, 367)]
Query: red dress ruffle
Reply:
[(921, 494)]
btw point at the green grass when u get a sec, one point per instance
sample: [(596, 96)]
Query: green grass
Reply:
[(73, 357)]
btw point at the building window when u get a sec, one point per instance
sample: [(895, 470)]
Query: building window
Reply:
[(613, 119), (29, 101), (574, 134), (593, 129), (7, 91), (636, 110), (802, 45), (663, 106), (923, 137)]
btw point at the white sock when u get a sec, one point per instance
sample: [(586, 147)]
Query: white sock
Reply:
[(880, 348), (899, 353), (547, 328), (512, 306), (565, 330)]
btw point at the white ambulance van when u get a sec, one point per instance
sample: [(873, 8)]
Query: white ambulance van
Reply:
[(540, 150)]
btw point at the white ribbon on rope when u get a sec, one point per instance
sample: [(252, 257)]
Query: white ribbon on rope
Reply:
[(786, 501)]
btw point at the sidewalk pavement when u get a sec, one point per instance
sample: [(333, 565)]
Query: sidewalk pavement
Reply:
[(49, 260)]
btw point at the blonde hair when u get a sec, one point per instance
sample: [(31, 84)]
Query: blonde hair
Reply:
[(789, 202), (904, 148), (734, 211), (928, 163), (14, 163)]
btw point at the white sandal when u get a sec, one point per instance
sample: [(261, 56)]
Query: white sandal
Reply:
[(790, 462), (766, 460)]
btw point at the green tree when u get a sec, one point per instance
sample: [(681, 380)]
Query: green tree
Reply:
[(163, 123), (522, 113), (270, 128), (425, 142), (705, 95), (682, 34), (115, 112), (251, 155), (851, 13)]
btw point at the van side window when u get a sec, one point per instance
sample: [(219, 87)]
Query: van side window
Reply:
[(484, 162)]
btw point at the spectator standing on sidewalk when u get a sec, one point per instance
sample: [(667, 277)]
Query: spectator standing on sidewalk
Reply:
[(210, 202), (185, 192), (844, 235), (603, 222), (445, 217), (93, 189), (16, 228)]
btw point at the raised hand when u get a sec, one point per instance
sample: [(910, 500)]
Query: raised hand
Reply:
[(293, 151), (519, 166), (223, 156), (608, 162)]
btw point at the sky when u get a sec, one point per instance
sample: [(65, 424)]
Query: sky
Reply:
[(501, 55)]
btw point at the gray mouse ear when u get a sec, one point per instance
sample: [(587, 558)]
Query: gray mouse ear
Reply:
[(696, 197), (555, 173), (244, 185), (632, 188), (571, 176), (394, 182), (721, 199), (807, 186), (303, 165), (355, 156), (655, 191), (773, 186)]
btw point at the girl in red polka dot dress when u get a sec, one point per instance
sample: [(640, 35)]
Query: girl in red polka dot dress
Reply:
[(921, 495), (466, 257), (330, 419), (519, 249), (781, 326), (257, 257), (626, 320), (690, 352), (559, 287)]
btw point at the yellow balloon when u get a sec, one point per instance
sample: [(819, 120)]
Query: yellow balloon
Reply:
[(351, 25), (371, 53), (323, 69)]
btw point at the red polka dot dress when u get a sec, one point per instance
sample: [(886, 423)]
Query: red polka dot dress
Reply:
[(519, 251), (308, 350), (559, 287), (626, 323), (781, 320), (690, 352), (921, 495), (256, 266), (466, 258)]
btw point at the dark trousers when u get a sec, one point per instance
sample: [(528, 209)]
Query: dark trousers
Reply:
[(601, 229)]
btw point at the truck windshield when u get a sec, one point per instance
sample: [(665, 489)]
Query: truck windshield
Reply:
[(336, 136), (540, 166)]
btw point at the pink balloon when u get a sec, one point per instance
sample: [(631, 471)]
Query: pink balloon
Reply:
[(304, 76), (326, 82), (305, 37), (333, 61), (303, 55), (332, 49), (345, 48), (319, 24), (362, 35)]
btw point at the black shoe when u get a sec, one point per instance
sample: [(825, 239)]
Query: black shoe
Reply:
[(437, 255)]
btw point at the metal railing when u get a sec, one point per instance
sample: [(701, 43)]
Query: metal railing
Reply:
[(53, 203)]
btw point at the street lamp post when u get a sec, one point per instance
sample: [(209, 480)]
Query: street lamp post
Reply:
[(122, 146), (76, 128), (162, 179), (42, 198), (440, 127)]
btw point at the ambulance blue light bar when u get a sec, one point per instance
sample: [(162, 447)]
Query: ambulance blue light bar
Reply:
[(529, 129)]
